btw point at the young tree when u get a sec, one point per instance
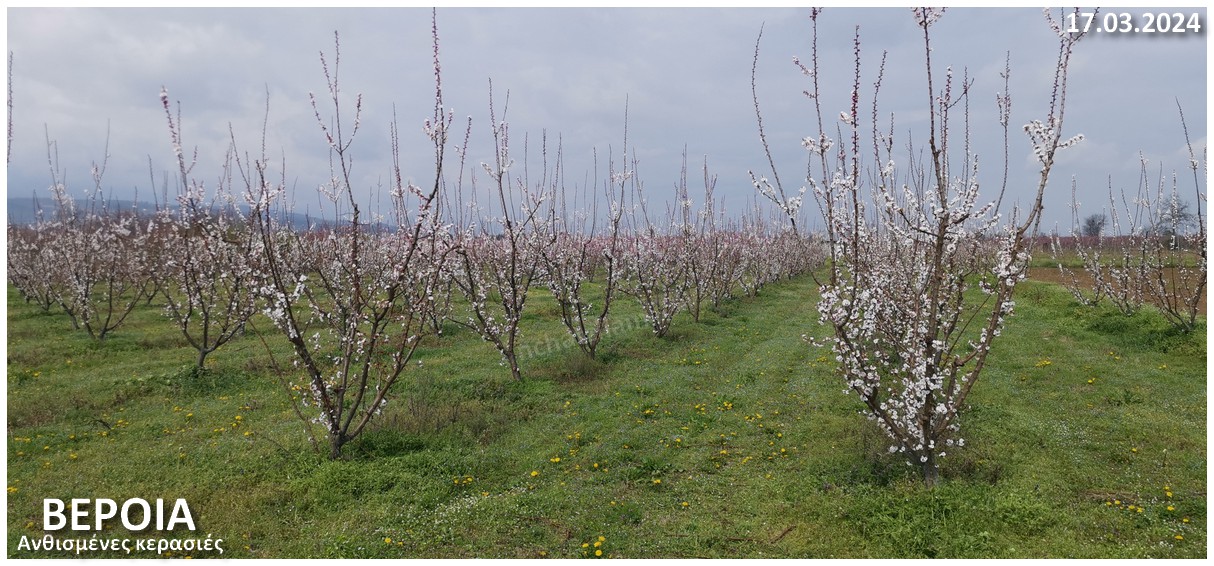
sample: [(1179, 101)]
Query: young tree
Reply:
[(907, 339), (208, 275), (656, 272), (496, 269), (1111, 260), (365, 295), (99, 257), (573, 257), (32, 265), (703, 245), (1156, 253)]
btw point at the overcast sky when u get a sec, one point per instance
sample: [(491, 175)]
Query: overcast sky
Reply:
[(685, 74)]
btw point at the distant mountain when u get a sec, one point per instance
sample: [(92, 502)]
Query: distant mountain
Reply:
[(22, 211), (26, 211)]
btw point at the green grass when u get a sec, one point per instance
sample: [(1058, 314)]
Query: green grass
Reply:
[(728, 438)]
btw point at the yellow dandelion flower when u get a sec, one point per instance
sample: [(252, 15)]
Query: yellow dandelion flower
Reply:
[(1178, 537), (387, 540), (657, 481), (598, 552), (685, 504), (555, 460), (535, 473), (1171, 508)]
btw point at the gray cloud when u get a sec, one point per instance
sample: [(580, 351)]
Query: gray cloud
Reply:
[(684, 72)]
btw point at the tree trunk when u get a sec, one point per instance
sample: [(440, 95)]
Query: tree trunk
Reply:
[(335, 443), (512, 359), (931, 470)]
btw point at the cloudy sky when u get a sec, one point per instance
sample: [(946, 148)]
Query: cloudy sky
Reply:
[(683, 74)]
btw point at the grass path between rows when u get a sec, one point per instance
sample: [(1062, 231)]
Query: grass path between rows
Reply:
[(732, 437)]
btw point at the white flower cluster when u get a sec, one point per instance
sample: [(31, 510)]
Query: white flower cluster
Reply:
[(1047, 139)]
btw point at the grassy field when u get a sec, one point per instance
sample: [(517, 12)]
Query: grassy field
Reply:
[(732, 437)]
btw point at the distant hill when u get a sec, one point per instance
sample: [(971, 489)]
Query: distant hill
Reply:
[(22, 211), (26, 211)]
